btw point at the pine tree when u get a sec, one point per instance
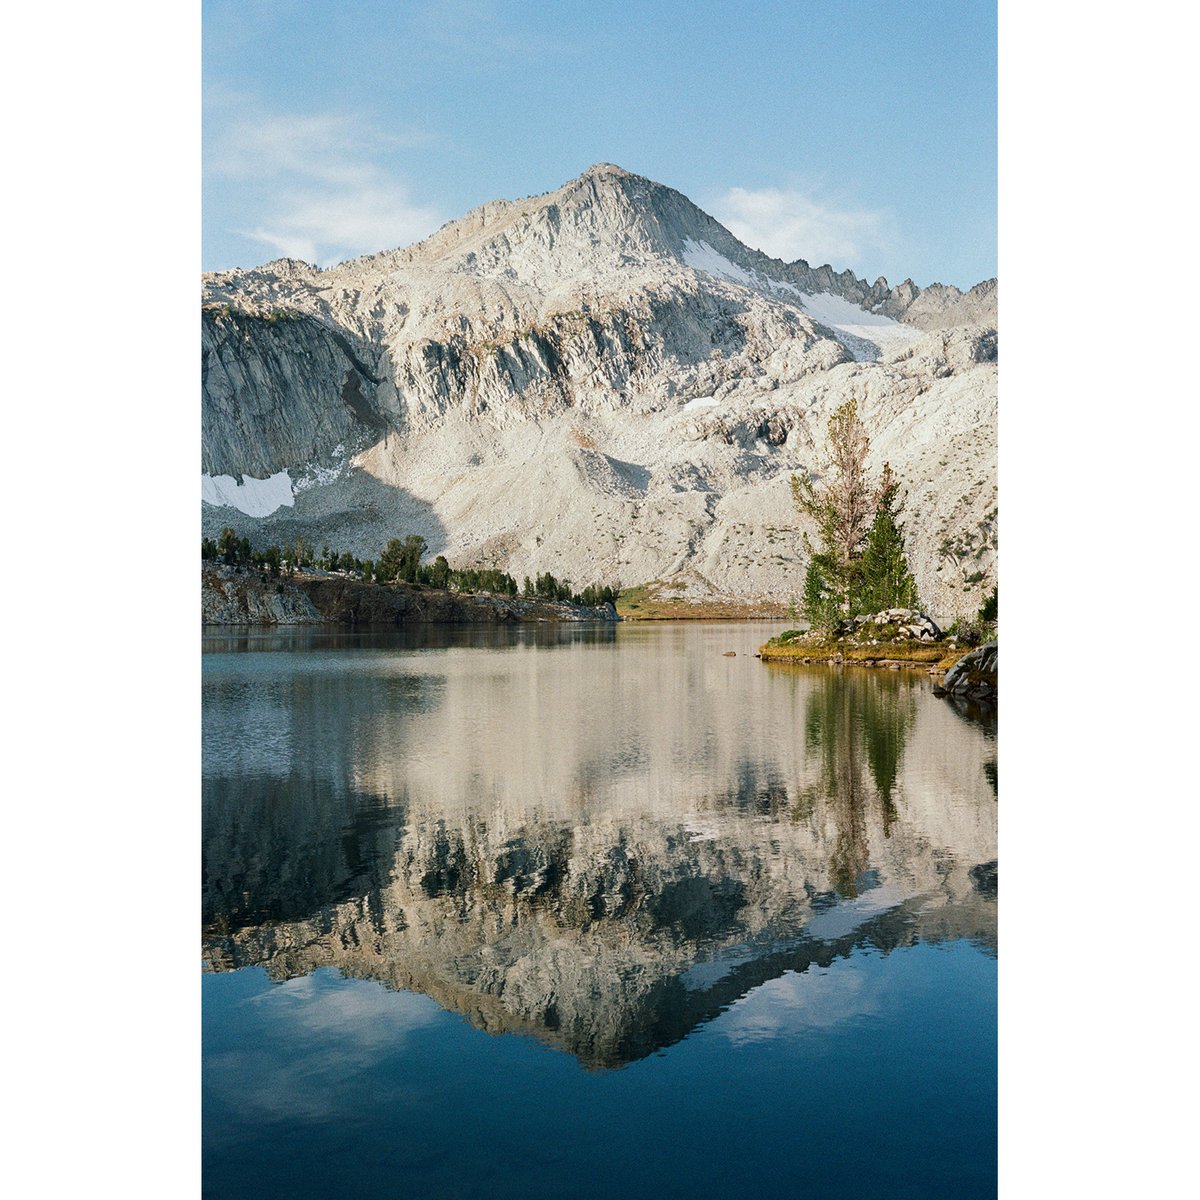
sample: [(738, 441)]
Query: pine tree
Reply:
[(860, 566), (439, 575), (401, 559), (842, 509), (990, 612), (228, 546), (820, 604), (885, 580)]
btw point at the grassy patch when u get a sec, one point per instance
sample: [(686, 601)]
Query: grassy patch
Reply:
[(914, 653), (659, 601)]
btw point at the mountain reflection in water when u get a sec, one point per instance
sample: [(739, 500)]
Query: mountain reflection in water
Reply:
[(602, 837)]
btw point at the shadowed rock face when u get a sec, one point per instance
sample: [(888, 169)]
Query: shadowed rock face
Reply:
[(608, 922), (279, 388), (497, 370)]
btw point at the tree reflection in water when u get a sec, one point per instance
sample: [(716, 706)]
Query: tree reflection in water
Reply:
[(852, 717)]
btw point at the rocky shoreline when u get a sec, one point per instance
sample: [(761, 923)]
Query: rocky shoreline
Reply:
[(895, 639), (969, 675), (976, 676), (245, 596)]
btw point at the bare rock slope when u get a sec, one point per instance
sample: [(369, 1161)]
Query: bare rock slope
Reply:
[(602, 382)]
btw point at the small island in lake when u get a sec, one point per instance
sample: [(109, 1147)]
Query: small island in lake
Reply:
[(900, 638), (860, 598)]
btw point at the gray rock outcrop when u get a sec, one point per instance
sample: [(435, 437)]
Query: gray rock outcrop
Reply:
[(976, 676), (229, 596), (902, 624), (280, 388), (246, 596)]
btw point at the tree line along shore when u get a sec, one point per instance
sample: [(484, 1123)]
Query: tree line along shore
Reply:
[(400, 562)]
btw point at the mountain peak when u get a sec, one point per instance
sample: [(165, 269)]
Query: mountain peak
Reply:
[(605, 168), (610, 232)]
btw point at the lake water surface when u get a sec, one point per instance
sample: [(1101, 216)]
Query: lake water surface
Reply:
[(592, 912)]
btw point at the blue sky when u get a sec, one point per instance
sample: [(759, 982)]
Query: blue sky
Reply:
[(861, 134)]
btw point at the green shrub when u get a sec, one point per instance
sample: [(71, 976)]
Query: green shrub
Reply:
[(820, 603), (990, 611)]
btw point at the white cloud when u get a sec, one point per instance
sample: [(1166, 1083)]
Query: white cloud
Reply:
[(316, 186), (313, 1040), (332, 224), (791, 225)]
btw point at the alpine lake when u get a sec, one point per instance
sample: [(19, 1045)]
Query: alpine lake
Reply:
[(592, 911)]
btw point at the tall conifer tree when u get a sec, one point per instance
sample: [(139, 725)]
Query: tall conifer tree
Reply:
[(885, 579), (860, 566)]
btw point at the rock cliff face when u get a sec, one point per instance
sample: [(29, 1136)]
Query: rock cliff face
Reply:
[(610, 354), (941, 306), (230, 596), (279, 389)]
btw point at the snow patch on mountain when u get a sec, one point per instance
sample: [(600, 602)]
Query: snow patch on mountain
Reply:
[(254, 497), (858, 325), (867, 335), (700, 256), (316, 474)]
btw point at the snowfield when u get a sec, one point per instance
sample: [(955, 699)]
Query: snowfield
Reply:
[(855, 323), (867, 335), (254, 497), (700, 256)]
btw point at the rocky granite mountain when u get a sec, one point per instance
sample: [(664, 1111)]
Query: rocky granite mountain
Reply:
[(601, 382)]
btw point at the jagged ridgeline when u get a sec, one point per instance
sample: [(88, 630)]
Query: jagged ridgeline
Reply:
[(600, 382)]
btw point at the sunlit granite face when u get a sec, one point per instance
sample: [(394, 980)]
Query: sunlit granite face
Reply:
[(603, 838)]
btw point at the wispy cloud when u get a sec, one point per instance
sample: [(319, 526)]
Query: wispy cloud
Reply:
[(793, 1004), (314, 1039), (317, 186), (792, 224), (328, 226)]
